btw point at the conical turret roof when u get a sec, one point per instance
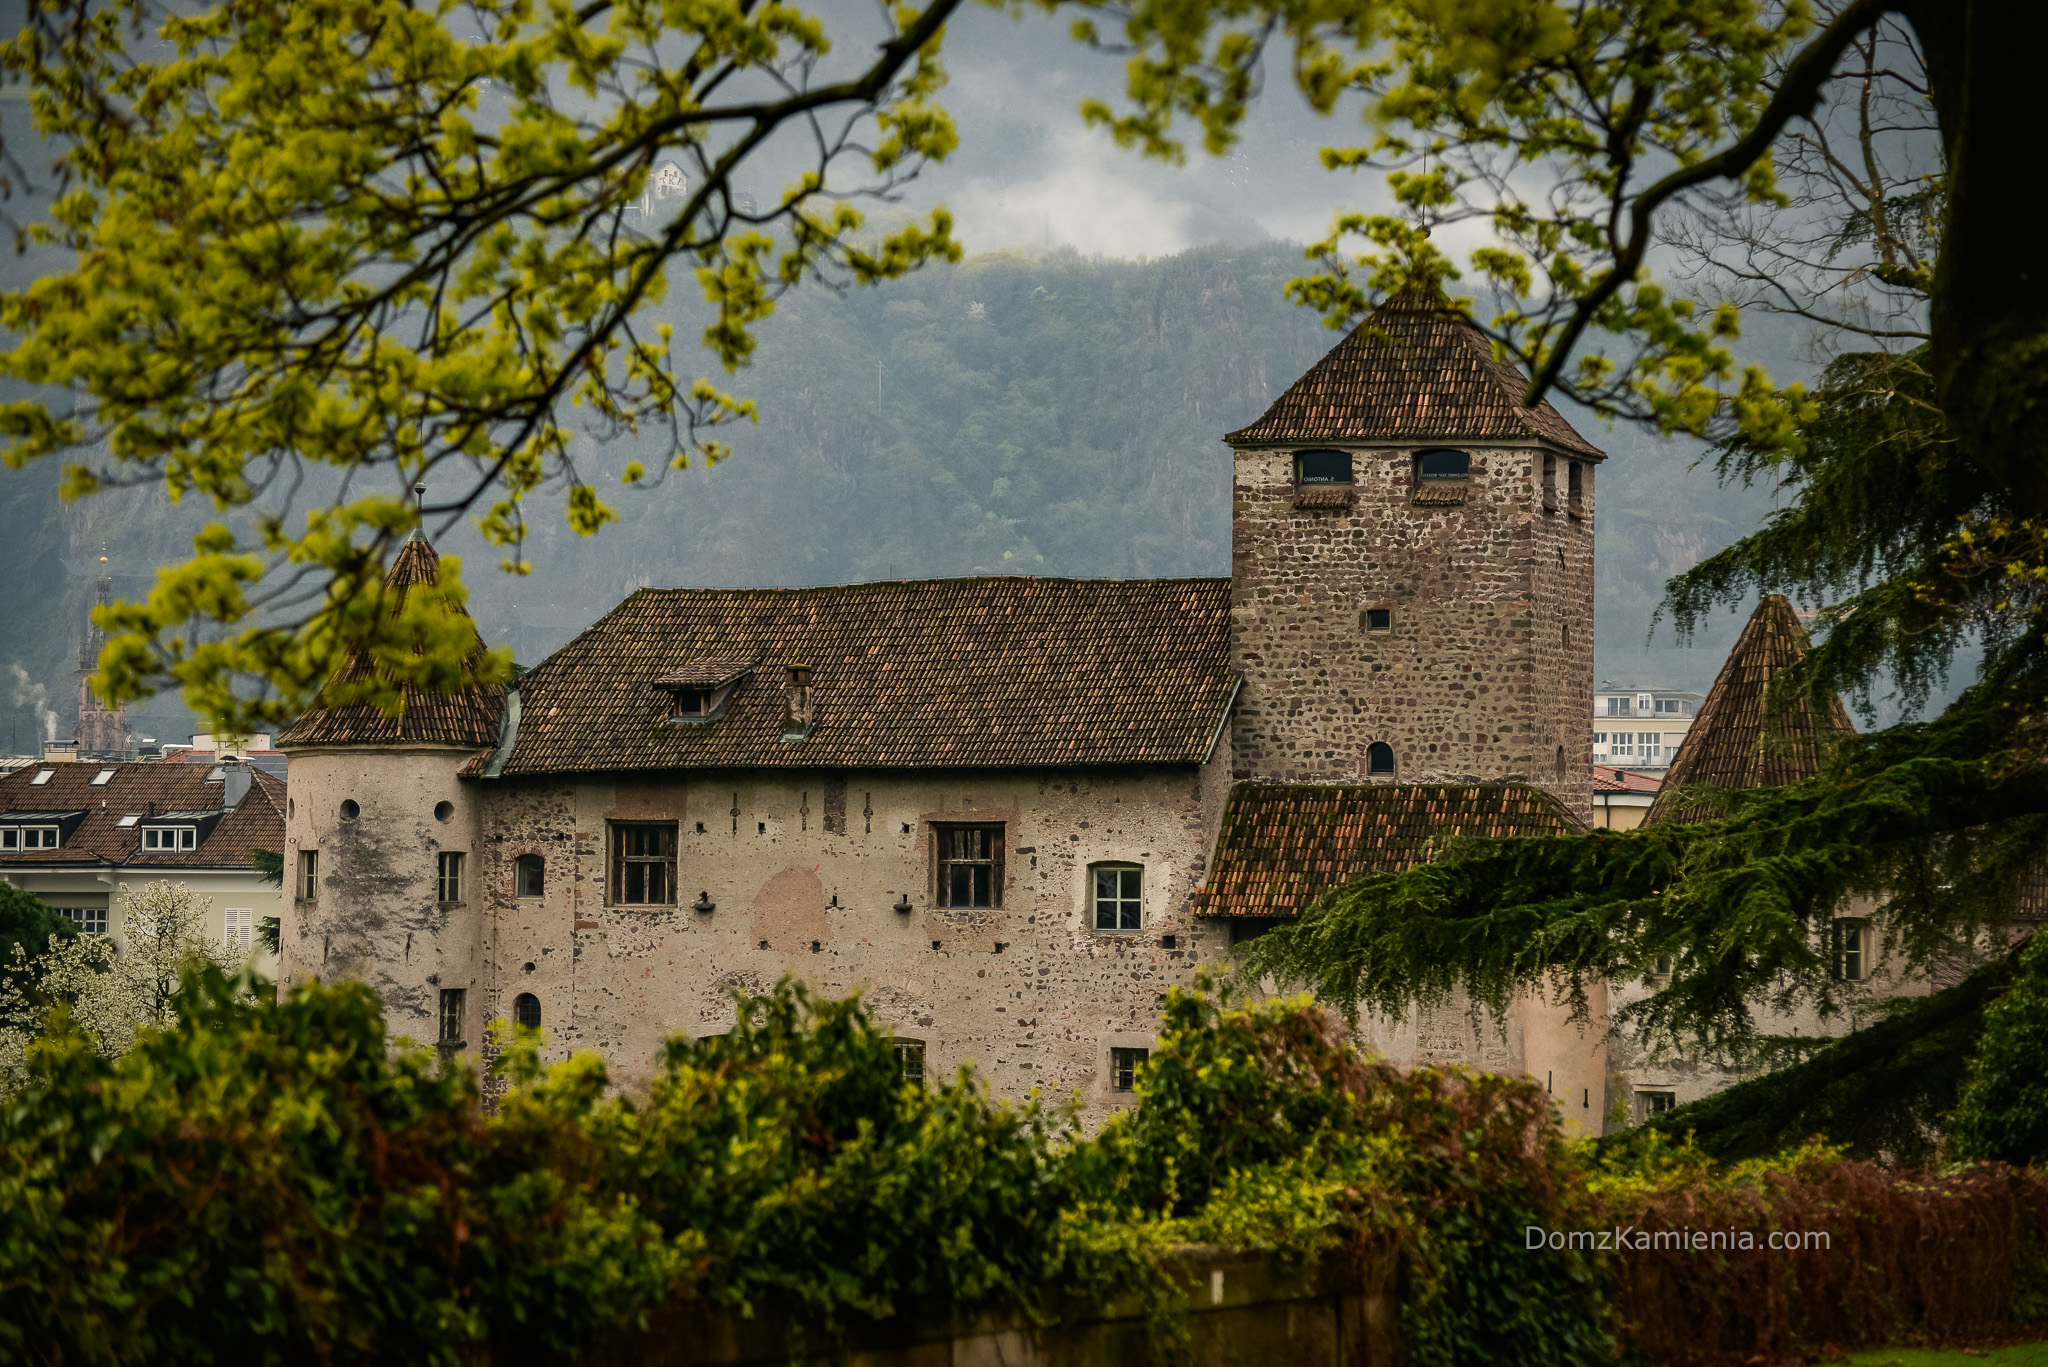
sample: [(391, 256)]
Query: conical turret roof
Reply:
[(1733, 742), (467, 718), (1412, 370)]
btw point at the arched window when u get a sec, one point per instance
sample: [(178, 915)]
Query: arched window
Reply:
[(1322, 467), (1443, 463), (526, 1010), (1379, 759), (529, 875)]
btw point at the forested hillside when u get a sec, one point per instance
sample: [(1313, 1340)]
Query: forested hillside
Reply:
[(1009, 415)]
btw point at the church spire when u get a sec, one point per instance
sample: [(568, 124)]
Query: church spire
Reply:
[(102, 730)]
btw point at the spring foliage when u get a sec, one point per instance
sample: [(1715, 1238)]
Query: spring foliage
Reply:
[(276, 1182)]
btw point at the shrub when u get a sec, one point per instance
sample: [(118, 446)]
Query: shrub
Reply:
[(2004, 1109)]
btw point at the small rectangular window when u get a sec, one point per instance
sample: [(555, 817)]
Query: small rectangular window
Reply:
[(89, 920), (1655, 1103), (452, 999), (1378, 619), (529, 876), (309, 874), (644, 864), (1123, 1068), (1119, 897), (910, 1060), (39, 837), (448, 876), (1622, 744), (240, 929), (1322, 467), (970, 865), (10, 838), (1650, 746), (1852, 949)]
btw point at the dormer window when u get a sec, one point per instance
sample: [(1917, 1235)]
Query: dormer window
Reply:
[(29, 838), (170, 839), (36, 830), (699, 689)]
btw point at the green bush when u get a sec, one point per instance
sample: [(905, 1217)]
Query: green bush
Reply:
[(2004, 1108), (270, 1182)]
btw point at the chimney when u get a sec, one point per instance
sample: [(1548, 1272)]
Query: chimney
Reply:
[(796, 693), (235, 783)]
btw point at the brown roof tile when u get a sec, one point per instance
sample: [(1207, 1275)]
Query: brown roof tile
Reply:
[(1607, 778), (143, 789), (1732, 743), (1283, 845), (923, 674), (1410, 371), (467, 718)]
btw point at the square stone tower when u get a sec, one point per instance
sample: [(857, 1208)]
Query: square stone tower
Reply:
[(1412, 553)]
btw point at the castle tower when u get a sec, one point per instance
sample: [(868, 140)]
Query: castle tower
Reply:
[(1412, 554), (382, 842), (102, 730)]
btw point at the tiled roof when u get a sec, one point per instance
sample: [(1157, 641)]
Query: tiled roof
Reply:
[(467, 718), (147, 790), (1731, 744), (1283, 845), (1410, 371), (707, 671), (1609, 779), (923, 674)]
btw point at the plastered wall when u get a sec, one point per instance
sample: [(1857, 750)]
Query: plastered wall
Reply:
[(1029, 991), (1487, 668), (376, 916)]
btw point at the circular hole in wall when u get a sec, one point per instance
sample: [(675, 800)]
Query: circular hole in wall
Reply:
[(529, 968), (349, 810), (444, 811)]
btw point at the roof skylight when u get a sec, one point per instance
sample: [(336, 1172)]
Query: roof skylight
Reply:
[(103, 778), (44, 777)]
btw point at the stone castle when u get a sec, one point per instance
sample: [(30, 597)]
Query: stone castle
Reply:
[(1011, 812)]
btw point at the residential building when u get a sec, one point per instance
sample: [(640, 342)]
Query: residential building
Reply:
[(1012, 812), (1641, 728), (1622, 797), (72, 834)]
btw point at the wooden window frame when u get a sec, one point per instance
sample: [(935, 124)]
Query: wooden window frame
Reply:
[(307, 881), (635, 870), (454, 1005), (1846, 957), (1121, 902), (448, 877), (943, 864)]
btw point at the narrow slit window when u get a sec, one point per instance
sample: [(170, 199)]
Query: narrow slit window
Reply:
[(309, 874), (529, 875), (970, 865), (1119, 897), (1575, 485), (644, 864)]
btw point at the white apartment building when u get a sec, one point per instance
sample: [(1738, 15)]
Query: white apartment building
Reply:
[(1640, 728)]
